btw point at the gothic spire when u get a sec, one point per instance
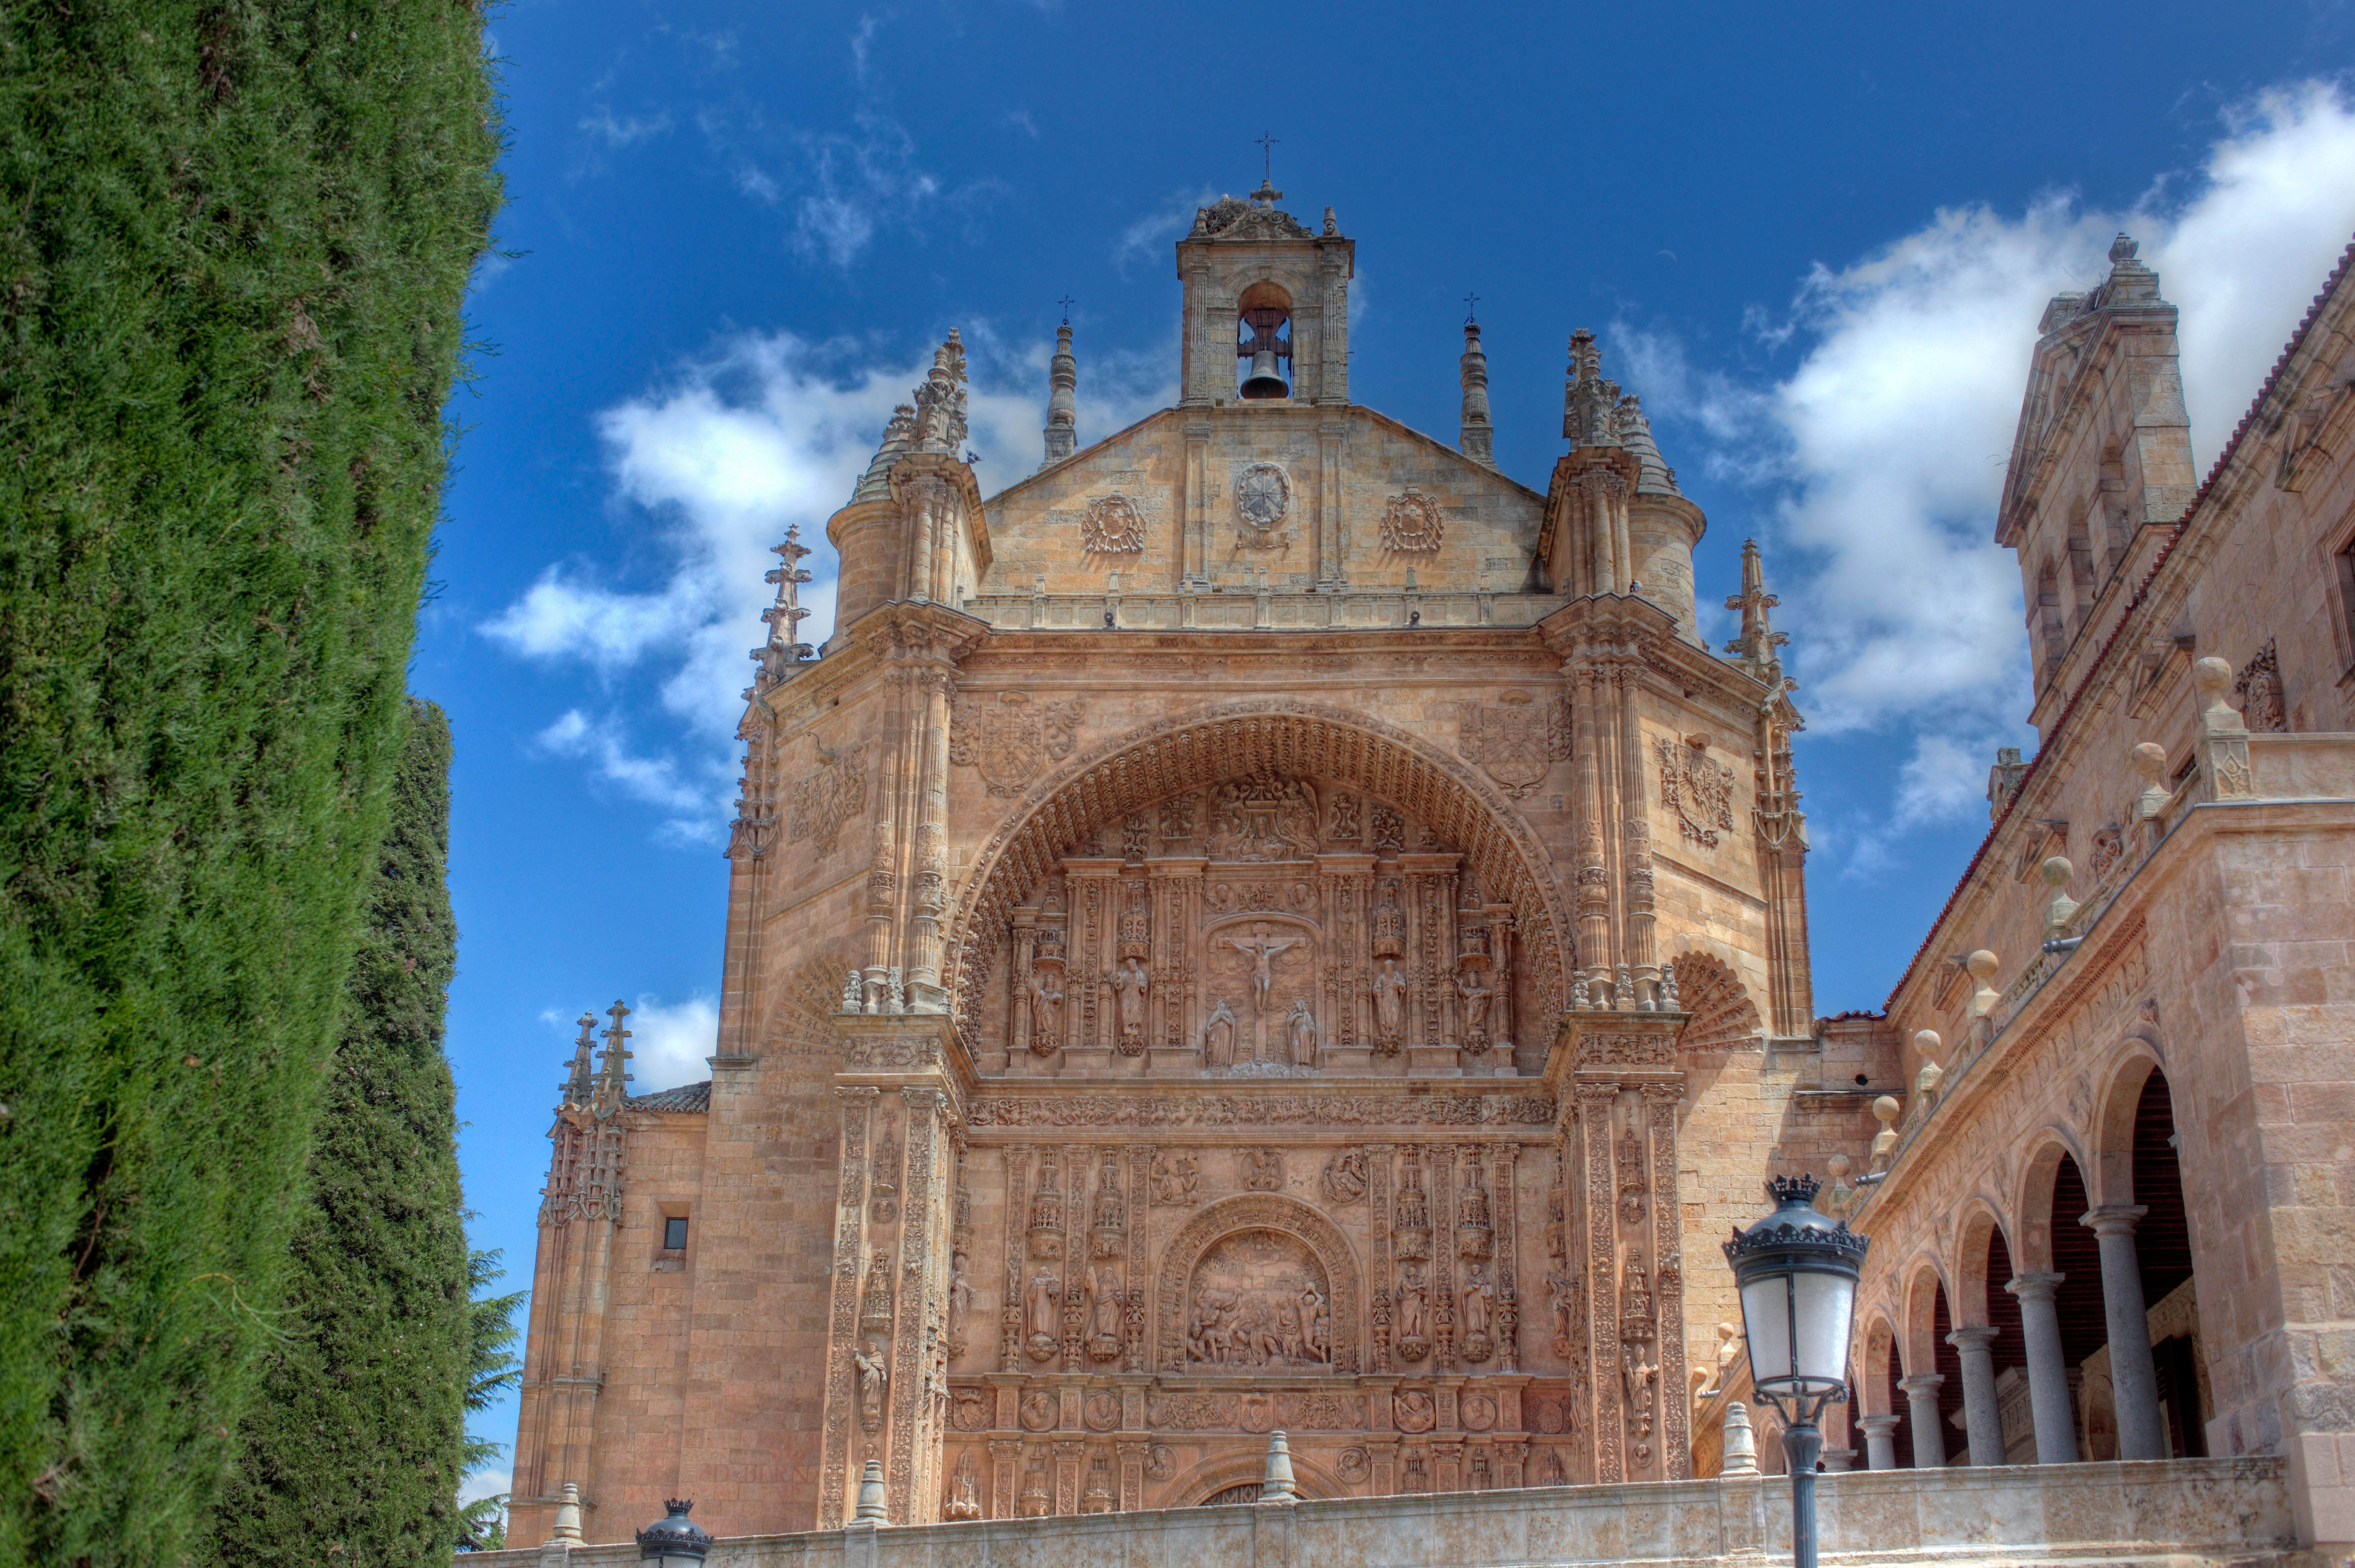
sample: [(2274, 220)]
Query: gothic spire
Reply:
[(1654, 473), (1589, 403), (581, 1087), (1754, 650), (940, 401), (875, 484), (1063, 376), (610, 1072), (784, 648), (1477, 437)]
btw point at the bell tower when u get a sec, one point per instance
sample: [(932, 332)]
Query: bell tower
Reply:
[(1267, 305)]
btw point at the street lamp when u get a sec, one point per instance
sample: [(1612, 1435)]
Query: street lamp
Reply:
[(674, 1540), (1797, 1274)]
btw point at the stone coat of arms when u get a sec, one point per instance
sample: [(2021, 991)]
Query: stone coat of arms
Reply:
[(1515, 740), (1011, 738)]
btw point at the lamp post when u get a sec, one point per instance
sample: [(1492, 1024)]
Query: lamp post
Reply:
[(674, 1540), (1797, 1274)]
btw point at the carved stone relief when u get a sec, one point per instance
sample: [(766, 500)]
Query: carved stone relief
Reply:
[(1515, 740), (1262, 501), (1343, 1177), (2259, 689), (1112, 526), (821, 802), (1011, 738), (1410, 521), (1258, 1299), (1699, 792)]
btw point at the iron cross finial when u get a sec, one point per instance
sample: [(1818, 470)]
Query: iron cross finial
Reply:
[(1470, 302), (1266, 144), (1067, 302)]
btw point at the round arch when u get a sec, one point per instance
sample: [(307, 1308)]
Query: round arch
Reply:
[(1213, 1476), (1978, 1223), (1259, 1212), (1924, 1280), (2031, 1238), (1212, 745), (1872, 1376), (2114, 1114)]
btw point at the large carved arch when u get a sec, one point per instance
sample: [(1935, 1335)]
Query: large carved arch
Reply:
[(1259, 1212), (1211, 745)]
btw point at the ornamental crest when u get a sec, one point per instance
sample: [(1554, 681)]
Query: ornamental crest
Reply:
[(1112, 526), (823, 800), (1699, 792), (1011, 738), (1263, 817), (1515, 739), (1263, 498), (1410, 521)]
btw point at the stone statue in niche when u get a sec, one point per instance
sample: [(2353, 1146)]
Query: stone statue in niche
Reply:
[(1563, 1295), (1219, 1037), (1104, 1313), (1129, 983), (1472, 1314), (868, 1362), (1046, 1011), (1260, 947), (1174, 1178), (1303, 1031), (960, 1300), (1476, 1006), (1413, 1331), (1042, 1316), (1389, 1004), (964, 1500), (1259, 1300)]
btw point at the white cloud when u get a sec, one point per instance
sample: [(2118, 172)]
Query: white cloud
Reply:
[(668, 1044), (860, 180), (769, 431), (1149, 237), (1886, 445), (490, 1482), (621, 131)]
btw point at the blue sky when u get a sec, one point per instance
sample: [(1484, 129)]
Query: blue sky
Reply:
[(1815, 238)]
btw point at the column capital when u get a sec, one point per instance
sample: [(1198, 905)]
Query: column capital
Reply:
[(2034, 1287), (2113, 1219), (1921, 1386), (1969, 1340), (1878, 1425)]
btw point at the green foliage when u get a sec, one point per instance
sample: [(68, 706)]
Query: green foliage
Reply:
[(235, 241), (482, 1524), (353, 1451)]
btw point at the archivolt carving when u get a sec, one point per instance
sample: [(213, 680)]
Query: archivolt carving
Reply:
[(1724, 1016), (1235, 740), (1260, 1211)]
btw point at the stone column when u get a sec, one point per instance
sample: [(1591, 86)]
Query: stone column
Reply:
[(2048, 1374), (1922, 1410), (2141, 1433), (1981, 1419), (1880, 1441)]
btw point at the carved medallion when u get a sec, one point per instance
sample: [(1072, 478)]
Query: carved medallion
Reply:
[(1101, 1411), (1160, 1463), (1552, 1418), (1011, 739), (1479, 1411), (1112, 526), (1514, 739), (971, 1412), (1413, 1410), (1700, 792), (1344, 1179), (1410, 521), (1262, 1169), (823, 800), (1353, 1465), (1038, 1410), (1263, 498)]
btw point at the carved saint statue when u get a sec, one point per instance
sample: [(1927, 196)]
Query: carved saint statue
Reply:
[(1259, 947), (1565, 1300), (869, 1361), (960, 1296), (1471, 1303), (1043, 1313), (1390, 1000), (1129, 981), (1304, 1033), (1315, 1323), (1219, 1037), (1046, 1011), (1104, 1302), (1476, 1005), (1411, 1304)]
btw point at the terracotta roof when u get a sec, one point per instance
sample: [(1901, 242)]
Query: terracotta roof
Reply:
[(2101, 661), (687, 1099)]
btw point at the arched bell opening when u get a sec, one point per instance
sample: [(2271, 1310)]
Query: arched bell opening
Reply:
[(1119, 913), (1263, 342)]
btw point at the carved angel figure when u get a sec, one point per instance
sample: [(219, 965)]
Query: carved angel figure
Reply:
[(1390, 1000), (1219, 1037), (1129, 981), (1303, 1027), (1046, 1011)]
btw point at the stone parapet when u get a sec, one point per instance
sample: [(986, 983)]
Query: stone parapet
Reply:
[(1238, 608), (2178, 1509)]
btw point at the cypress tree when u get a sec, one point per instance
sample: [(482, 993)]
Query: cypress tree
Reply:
[(353, 1449), (237, 238)]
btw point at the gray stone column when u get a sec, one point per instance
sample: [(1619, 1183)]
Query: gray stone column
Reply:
[(1922, 1410), (1880, 1441), (2141, 1434), (1981, 1419), (2048, 1375)]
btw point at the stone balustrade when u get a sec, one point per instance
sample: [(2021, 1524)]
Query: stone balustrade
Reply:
[(1241, 609), (2187, 1510)]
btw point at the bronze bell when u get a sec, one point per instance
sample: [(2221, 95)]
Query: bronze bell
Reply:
[(1264, 381), (1263, 351)]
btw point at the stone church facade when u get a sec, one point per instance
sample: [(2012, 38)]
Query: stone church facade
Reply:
[(1269, 923)]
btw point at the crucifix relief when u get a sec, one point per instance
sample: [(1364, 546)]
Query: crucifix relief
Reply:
[(1259, 947)]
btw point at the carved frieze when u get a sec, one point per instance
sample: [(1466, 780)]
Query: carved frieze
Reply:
[(1259, 1281), (1501, 1110), (1009, 739)]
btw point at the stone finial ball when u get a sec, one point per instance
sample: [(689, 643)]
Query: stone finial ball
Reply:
[(2057, 871), (2211, 675), (2150, 759), (1886, 1107), (1838, 1165), (1926, 1042), (1981, 965)]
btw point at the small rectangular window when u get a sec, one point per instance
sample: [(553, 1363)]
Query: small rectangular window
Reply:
[(675, 1235), (2345, 560)]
